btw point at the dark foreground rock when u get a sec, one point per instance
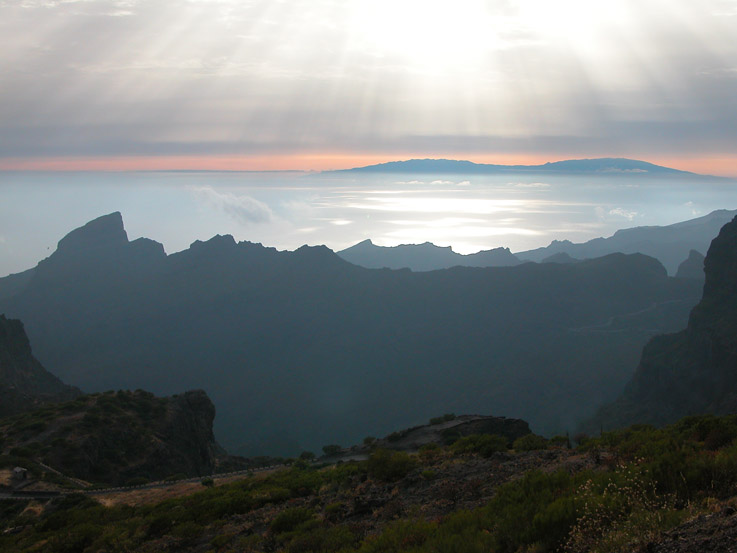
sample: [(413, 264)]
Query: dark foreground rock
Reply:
[(712, 533)]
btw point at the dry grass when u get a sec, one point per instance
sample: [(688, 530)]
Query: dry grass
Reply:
[(156, 495)]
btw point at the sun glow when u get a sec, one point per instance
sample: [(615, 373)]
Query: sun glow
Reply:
[(425, 34)]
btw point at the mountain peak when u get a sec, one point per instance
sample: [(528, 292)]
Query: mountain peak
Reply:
[(103, 232)]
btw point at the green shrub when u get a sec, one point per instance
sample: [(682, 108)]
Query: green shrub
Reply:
[(332, 449), (387, 465), (483, 444), (530, 442), (560, 441), (444, 418), (289, 519)]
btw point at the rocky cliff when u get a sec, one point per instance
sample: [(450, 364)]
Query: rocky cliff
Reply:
[(24, 383), (692, 266), (695, 370)]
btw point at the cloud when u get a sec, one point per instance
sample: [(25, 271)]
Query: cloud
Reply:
[(222, 77), (621, 212), (531, 185), (244, 209)]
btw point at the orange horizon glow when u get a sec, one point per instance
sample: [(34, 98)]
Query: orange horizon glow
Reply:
[(717, 166)]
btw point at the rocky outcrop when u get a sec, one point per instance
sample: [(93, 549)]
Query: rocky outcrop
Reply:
[(113, 437), (692, 266), (24, 383), (440, 432), (695, 370)]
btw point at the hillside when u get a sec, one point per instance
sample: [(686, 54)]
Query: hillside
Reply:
[(423, 257), (695, 370), (24, 383), (670, 244), (639, 489), (341, 350), (113, 437)]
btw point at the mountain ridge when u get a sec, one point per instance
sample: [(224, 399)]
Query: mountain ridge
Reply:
[(693, 371), (253, 325), (423, 257), (595, 165), (671, 244)]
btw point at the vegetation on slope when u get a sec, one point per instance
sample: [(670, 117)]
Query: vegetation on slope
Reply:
[(622, 490), (113, 437)]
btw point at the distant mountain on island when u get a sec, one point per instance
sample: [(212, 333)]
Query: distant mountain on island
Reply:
[(423, 257), (693, 371), (670, 244), (447, 166), (299, 349)]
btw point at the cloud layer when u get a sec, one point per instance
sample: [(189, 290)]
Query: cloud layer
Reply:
[(244, 209), (226, 77)]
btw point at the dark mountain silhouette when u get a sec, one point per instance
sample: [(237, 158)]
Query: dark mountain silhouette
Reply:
[(560, 257), (692, 266), (299, 349), (423, 257), (448, 166), (669, 244), (24, 383), (695, 370)]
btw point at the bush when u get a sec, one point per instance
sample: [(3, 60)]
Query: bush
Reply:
[(445, 418), (332, 449), (390, 465), (289, 519), (530, 442), (483, 444)]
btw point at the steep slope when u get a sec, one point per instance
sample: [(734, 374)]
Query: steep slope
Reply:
[(299, 349), (24, 383), (115, 436), (695, 370), (423, 257), (669, 244)]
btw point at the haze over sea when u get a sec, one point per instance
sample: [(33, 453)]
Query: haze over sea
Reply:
[(288, 209)]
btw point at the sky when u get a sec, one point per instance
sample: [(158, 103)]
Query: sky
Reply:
[(325, 84)]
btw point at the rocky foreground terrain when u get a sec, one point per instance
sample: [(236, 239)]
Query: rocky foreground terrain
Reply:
[(641, 489)]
